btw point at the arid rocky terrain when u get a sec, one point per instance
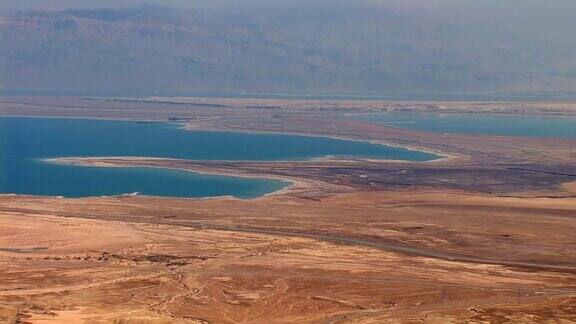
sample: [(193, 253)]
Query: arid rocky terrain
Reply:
[(483, 235)]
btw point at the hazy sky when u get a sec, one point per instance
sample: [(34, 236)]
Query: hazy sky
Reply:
[(16, 5)]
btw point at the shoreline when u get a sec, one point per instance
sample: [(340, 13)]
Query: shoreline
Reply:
[(441, 156), (293, 184), (444, 159)]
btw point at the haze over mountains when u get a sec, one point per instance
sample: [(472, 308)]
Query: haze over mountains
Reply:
[(332, 47)]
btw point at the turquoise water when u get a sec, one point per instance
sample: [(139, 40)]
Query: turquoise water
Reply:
[(25, 141), (526, 126)]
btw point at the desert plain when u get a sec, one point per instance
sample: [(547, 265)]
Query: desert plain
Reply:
[(483, 234)]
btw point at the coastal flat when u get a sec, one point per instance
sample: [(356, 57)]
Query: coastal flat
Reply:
[(485, 234)]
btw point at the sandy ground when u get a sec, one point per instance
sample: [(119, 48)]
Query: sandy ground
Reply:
[(277, 259), (486, 236), (122, 106), (570, 186)]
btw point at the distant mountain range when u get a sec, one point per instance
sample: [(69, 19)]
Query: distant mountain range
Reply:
[(315, 48)]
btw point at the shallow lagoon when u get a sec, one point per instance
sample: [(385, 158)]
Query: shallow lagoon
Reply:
[(504, 125), (24, 142)]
